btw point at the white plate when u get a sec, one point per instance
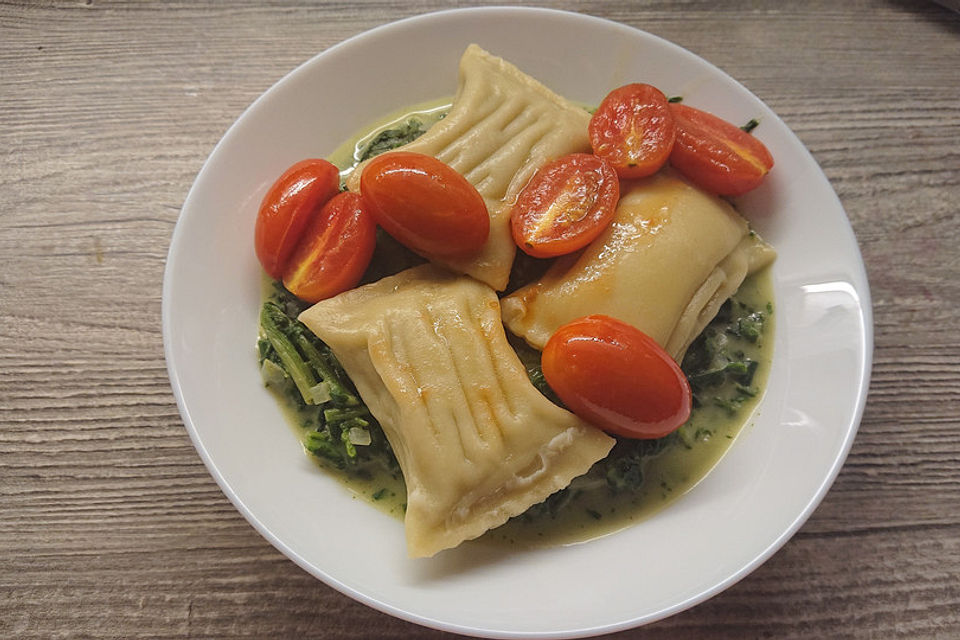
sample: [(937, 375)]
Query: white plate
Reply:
[(746, 508)]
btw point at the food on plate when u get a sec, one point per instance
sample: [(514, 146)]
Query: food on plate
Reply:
[(616, 377), (477, 443), (566, 204), (672, 255), (502, 126), (726, 367), (633, 130), (425, 205), (717, 155), (645, 294)]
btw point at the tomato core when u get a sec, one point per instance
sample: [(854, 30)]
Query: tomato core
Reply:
[(565, 206)]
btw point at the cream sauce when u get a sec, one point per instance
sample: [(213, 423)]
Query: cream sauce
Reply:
[(347, 155)]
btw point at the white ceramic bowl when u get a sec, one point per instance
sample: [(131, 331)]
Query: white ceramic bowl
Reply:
[(742, 512)]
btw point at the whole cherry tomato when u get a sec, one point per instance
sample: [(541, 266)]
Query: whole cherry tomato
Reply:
[(717, 155), (425, 204), (566, 204), (616, 377), (335, 250), (288, 207), (633, 130)]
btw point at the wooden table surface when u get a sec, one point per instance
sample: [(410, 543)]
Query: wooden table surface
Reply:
[(110, 525)]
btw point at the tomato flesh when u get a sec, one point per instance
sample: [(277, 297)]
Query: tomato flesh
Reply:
[(616, 377), (633, 130), (717, 155), (425, 204), (288, 206), (335, 250), (565, 206)]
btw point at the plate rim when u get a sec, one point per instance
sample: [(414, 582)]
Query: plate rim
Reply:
[(864, 366)]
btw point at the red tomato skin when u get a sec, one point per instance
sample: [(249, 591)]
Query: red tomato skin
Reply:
[(425, 204), (288, 206), (616, 377), (633, 130), (565, 206), (335, 250), (717, 155)]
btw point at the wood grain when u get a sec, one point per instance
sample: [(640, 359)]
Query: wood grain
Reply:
[(110, 526)]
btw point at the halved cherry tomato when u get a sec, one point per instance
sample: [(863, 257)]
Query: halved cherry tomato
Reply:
[(566, 204), (616, 377), (335, 250), (424, 204), (717, 155), (633, 130), (288, 206)]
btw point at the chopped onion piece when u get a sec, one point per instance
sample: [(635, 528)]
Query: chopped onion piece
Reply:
[(358, 435), (320, 393)]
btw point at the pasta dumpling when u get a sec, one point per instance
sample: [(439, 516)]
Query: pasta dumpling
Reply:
[(502, 126), (476, 441), (671, 257)]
